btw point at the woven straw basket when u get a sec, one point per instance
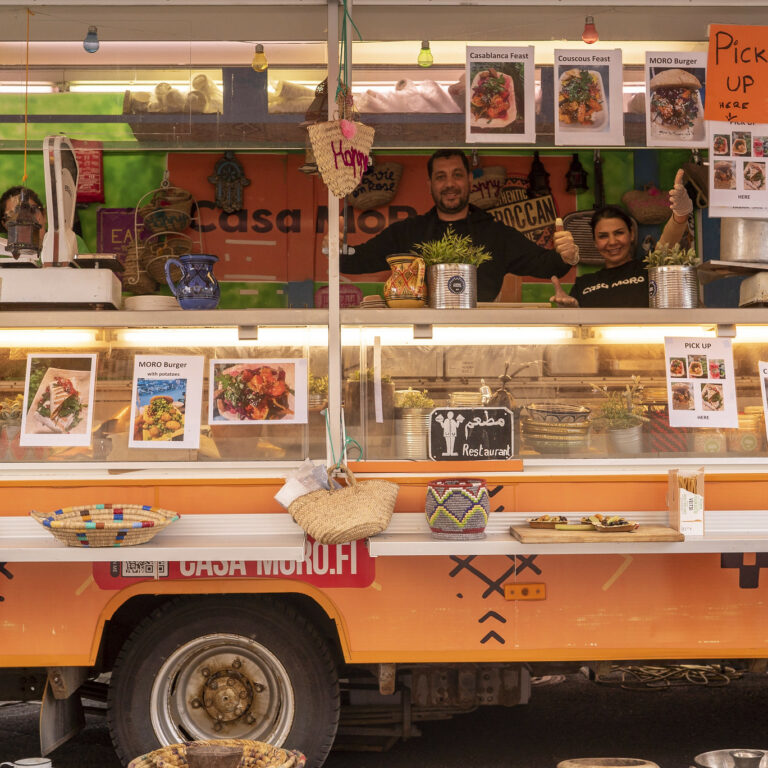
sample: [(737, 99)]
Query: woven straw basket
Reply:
[(377, 187), (105, 525), (256, 754), (648, 206), (485, 185), (341, 161), (358, 510)]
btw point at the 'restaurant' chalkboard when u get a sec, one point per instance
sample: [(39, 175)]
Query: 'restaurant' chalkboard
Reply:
[(464, 434)]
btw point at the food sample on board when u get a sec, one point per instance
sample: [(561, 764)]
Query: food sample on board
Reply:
[(581, 101)]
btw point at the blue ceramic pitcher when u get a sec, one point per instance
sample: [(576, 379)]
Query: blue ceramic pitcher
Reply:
[(197, 288)]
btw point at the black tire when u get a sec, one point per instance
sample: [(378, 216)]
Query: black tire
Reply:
[(191, 661)]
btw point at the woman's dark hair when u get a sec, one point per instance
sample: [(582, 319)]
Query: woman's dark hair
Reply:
[(442, 153), (611, 212), (32, 197)]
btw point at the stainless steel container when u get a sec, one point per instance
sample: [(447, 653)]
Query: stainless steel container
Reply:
[(743, 239), (452, 286), (672, 287), (411, 432)]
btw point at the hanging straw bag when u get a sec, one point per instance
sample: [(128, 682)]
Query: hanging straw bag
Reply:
[(648, 206), (342, 148), (356, 511), (377, 187), (485, 185)]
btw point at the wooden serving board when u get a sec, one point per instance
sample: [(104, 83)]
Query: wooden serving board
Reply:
[(529, 535)]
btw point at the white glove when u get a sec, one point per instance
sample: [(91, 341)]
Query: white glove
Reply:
[(679, 200), (564, 245)]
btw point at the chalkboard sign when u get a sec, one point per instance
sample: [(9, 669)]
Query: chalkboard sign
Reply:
[(466, 434)]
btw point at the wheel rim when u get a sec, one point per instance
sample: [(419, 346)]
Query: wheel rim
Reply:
[(222, 686)]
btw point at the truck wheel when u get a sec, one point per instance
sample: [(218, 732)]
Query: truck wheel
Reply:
[(224, 668)]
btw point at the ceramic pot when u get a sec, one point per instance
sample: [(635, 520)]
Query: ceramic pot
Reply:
[(406, 286), (197, 288)]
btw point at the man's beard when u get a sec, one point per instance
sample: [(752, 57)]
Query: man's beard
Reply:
[(459, 205)]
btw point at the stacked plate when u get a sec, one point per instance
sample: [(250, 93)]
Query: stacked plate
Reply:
[(556, 427), (374, 301), (151, 302), (465, 399)]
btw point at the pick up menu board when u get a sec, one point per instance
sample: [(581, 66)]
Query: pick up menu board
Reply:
[(737, 172), (701, 390), (588, 98)]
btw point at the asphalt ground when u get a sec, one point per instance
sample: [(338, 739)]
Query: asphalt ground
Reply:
[(566, 718)]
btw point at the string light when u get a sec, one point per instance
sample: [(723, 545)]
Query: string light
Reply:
[(589, 35), (425, 55), (91, 42), (259, 63)]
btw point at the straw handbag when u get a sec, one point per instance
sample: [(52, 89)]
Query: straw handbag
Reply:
[(342, 147), (356, 511), (647, 206), (377, 187)]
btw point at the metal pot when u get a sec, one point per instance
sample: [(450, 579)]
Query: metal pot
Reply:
[(743, 239), (673, 286)]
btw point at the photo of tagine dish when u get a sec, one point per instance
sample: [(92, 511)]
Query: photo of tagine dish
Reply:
[(253, 392)]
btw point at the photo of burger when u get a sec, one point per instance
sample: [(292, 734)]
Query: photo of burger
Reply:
[(675, 105), (725, 174), (682, 397)]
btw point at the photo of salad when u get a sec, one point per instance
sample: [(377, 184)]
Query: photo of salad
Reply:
[(59, 404), (682, 397), (717, 369), (721, 144), (697, 366), (677, 367), (492, 99), (581, 99), (754, 175), (253, 392), (712, 397)]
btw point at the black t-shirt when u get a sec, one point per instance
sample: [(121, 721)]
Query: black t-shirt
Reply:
[(624, 286), (511, 251)]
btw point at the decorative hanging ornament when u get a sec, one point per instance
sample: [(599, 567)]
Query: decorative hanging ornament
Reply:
[(24, 230), (576, 178), (229, 178)]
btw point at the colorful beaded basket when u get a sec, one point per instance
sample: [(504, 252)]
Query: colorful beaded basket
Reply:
[(105, 525), (457, 509)]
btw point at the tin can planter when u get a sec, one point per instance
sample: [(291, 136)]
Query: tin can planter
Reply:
[(457, 509), (452, 286), (411, 432), (673, 287), (626, 440)]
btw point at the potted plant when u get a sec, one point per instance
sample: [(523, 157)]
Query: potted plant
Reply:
[(621, 416), (672, 277), (376, 438), (452, 263), (412, 414), (318, 391)]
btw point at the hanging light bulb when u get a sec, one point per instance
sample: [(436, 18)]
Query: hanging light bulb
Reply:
[(259, 63), (425, 55), (91, 42), (589, 35)]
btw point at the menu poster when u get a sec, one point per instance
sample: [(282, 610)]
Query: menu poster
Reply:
[(58, 400), (90, 165), (166, 401), (737, 185), (500, 98), (588, 98), (243, 392), (674, 88), (701, 389), (763, 368)]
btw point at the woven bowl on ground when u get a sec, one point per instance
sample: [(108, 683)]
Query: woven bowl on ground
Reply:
[(154, 255), (256, 754), (377, 187), (105, 525), (338, 516)]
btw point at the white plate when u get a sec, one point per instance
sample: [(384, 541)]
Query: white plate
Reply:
[(496, 122), (600, 117)]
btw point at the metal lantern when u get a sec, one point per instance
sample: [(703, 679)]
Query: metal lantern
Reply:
[(576, 178), (538, 178), (24, 230)]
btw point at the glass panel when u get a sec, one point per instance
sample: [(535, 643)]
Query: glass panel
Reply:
[(111, 412), (561, 390)]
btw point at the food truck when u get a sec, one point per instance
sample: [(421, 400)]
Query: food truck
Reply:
[(232, 622)]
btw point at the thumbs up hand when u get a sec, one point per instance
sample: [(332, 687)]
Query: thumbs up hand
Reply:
[(564, 245), (679, 200), (560, 297)]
